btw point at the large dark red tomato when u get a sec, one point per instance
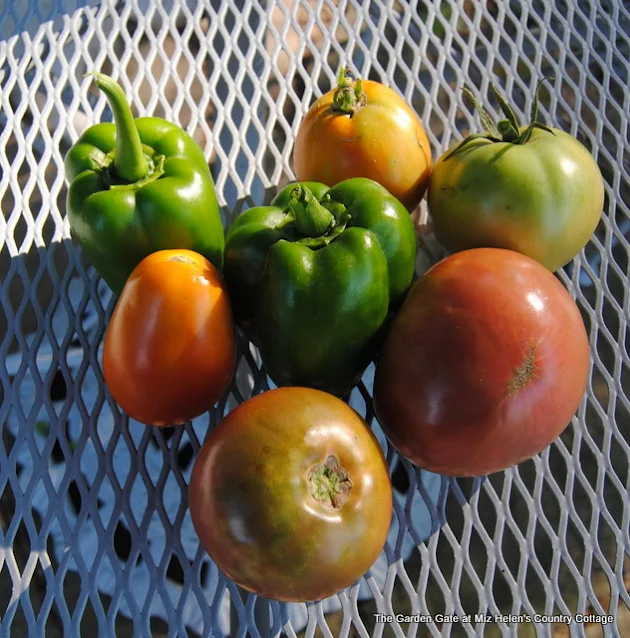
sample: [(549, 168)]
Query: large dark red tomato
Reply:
[(290, 495), (485, 364)]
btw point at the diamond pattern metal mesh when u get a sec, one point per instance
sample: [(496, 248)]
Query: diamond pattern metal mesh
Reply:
[(95, 536)]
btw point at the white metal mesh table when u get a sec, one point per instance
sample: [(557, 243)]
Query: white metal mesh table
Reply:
[(95, 536)]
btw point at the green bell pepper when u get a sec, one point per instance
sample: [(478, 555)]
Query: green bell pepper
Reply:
[(314, 277), (136, 187)]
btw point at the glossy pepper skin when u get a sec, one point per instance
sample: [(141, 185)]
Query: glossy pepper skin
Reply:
[(315, 276), (138, 186)]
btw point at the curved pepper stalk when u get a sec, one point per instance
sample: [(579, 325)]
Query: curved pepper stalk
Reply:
[(138, 186)]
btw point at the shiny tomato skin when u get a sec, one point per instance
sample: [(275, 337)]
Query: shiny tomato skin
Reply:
[(543, 198), (254, 511), (170, 347), (485, 365), (384, 141)]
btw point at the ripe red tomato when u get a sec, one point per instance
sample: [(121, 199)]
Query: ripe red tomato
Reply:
[(364, 129), (485, 364), (170, 347), (290, 495)]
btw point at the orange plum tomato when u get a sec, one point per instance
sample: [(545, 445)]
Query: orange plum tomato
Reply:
[(170, 347)]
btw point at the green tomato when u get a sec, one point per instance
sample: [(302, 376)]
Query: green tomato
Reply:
[(542, 197)]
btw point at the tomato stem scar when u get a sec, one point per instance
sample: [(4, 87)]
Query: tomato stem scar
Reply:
[(329, 483), (524, 373)]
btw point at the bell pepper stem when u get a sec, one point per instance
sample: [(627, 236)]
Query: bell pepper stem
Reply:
[(130, 162), (311, 219)]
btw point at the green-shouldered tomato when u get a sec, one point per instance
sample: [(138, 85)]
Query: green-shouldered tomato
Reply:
[(535, 190), (290, 495)]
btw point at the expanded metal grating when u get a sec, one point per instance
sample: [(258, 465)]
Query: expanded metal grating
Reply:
[(95, 536)]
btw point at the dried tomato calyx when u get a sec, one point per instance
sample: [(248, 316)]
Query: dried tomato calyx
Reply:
[(507, 129), (349, 96)]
